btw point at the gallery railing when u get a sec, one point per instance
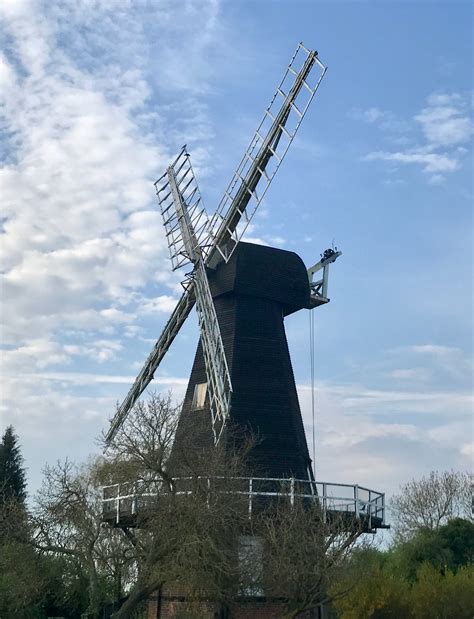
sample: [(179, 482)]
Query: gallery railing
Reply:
[(123, 501)]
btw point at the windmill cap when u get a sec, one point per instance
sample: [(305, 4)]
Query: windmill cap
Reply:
[(264, 272)]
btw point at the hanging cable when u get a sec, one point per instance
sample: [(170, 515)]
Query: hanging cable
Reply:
[(312, 354)]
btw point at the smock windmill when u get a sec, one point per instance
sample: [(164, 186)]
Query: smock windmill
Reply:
[(242, 374), (222, 277), (220, 273)]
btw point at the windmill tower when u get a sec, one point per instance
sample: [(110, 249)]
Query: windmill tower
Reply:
[(242, 375)]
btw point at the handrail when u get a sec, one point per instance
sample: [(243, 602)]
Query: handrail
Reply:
[(374, 506), (280, 479)]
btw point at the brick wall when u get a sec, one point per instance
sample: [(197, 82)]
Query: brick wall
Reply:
[(169, 607)]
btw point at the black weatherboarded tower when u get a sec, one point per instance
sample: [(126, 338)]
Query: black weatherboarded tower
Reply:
[(252, 294)]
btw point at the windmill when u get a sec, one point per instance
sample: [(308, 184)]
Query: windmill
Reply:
[(242, 374), (208, 245)]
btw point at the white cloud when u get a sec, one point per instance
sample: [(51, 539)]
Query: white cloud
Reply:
[(467, 449), (435, 349), (100, 350), (163, 303), (436, 179), (444, 122), (418, 418), (79, 227), (56, 417), (445, 125), (374, 437), (410, 374), (81, 230), (372, 114), (87, 129), (383, 119), (388, 402), (430, 162), (277, 240), (84, 378), (36, 353), (264, 239), (440, 364), (450, 359)]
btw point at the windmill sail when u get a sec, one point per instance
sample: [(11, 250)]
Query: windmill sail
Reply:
[(146, 375), (188, 206), (264, 155), (196, 216)]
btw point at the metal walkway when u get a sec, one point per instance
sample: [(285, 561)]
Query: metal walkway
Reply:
[(123, 504)]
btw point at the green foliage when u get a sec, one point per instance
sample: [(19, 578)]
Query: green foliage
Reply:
[(21, 581), (443, 596), (65, 587), (428, 577), (448, 547), (12, 473), (425, 547), (370, 588), (35, 585), (458, 536)]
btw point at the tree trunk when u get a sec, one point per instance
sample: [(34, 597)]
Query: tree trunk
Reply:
[(118, 584), (94, 595), (139, 593)]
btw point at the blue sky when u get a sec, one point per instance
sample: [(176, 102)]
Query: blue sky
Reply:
[(96, 97)]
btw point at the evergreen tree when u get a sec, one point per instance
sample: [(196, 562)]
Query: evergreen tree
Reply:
[(12, 473)]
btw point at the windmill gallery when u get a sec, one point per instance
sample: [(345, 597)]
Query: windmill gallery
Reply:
[(242, 375)]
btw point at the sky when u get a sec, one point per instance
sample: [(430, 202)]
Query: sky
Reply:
[(96, 98)]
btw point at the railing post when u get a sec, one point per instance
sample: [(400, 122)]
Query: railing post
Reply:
[(356, 500), (250, 496), (134, 499), (118, 503), (208, 498), (292, 491)]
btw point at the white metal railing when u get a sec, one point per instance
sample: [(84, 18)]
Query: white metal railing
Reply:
[(128, 499)]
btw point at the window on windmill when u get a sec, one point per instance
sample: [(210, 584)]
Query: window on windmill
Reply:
[(199, 398)]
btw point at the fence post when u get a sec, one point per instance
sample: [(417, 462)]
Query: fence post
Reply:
[(134, 499), (250, 496), (118, 503), (356, 500), (292, 491)]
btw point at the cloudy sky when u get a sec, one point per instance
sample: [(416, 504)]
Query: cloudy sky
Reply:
[(96, 97)]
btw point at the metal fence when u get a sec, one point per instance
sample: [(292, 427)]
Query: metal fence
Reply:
[(130, 499)]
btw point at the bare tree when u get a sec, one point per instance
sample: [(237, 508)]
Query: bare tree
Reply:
[(430, 502), (66, 519), (304, 550), (141, 449), (187, 545), (186, 529)]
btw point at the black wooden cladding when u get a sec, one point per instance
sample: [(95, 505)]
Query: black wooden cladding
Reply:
[(264, 272), (252, 294)]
